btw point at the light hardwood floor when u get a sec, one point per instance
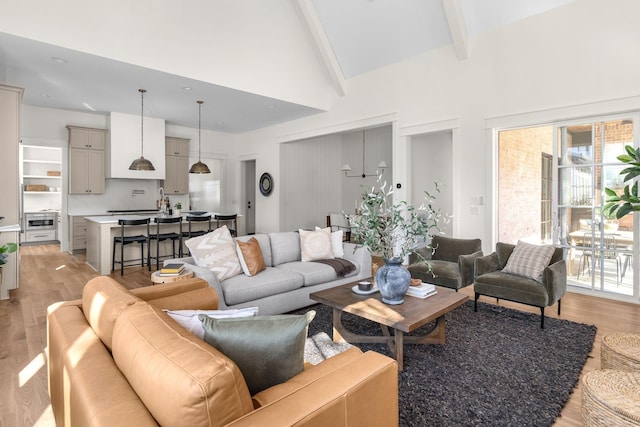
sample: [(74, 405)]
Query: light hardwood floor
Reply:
[(48, 276)]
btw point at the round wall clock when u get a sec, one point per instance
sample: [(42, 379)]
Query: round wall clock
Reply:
[(266, 184)]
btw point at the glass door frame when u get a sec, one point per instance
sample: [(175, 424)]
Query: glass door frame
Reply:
[(596, 288)]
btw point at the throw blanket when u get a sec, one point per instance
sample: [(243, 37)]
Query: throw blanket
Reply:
[(341, 266), (320, 347)]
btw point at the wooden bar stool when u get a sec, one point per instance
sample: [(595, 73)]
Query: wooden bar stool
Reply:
[(234, 223), (161, 237), (124, 240)]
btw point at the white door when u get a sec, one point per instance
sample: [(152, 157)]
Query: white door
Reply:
[(249, 195), (599, 249)]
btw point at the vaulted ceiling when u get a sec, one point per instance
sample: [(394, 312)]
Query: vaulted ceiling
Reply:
[(351, 37)]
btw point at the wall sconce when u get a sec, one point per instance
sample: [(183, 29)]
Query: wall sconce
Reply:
[(346, 168)]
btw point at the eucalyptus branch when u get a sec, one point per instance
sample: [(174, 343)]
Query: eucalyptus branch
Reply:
[(396, 230)]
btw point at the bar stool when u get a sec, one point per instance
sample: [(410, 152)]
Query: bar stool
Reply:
[(195, 233), (126, 240), (161, 237), (234, 223)]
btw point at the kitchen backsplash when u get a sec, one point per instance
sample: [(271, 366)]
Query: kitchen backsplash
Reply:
[(123, 194)]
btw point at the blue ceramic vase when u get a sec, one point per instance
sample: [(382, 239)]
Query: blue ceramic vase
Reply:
[(393, 281)]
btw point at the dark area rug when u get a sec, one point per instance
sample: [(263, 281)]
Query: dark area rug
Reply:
[(497, 368)]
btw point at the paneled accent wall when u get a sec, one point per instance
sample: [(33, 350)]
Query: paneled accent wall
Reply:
[(313, 185), (310, 185)]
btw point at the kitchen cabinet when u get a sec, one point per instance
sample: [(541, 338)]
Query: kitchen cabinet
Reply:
[(78, 239), (10, 99), (176, 147), (177, 166), (87, 171)]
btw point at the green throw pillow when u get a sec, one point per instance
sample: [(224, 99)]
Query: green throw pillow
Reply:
[(269, 350)]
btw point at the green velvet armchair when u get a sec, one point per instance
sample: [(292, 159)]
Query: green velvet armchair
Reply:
[(452, 262), (491, 281)]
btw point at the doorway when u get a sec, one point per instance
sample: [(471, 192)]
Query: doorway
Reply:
[(432, 162), (248, 172)]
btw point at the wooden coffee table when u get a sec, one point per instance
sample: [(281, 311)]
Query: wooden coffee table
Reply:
[(403, 318)]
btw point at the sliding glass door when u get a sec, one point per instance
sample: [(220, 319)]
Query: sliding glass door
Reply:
[(599, 250)]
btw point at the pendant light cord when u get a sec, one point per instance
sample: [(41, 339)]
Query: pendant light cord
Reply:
[(142, 91), (363, 174), (199, 129)]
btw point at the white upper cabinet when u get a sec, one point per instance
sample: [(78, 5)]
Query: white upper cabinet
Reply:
[(125, 146)]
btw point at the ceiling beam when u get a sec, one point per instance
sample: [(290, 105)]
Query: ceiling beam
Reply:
[(309, 16), (457, 27)]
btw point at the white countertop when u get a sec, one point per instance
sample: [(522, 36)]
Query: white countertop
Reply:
[(113, 219), (8, 228)]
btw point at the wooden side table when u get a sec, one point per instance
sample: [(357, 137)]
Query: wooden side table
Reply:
[(156, 278)]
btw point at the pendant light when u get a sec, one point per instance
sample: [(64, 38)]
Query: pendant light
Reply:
[(346, 168), (199, 167), (141, 164)]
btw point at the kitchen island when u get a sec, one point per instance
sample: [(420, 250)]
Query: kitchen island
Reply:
[(102, 229)]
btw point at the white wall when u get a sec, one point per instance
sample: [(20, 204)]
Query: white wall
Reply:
[(431, 162), (578, 59), (575, 55), (264, 41)]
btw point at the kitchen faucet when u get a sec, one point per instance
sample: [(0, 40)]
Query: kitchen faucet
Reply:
[(162, 200)]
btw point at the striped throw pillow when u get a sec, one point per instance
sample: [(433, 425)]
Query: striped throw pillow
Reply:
[(529, 260)]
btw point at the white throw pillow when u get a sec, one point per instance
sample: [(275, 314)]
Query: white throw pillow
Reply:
[(216, 251), (188, 319), (529, 260), (336, 241), (315, 245)]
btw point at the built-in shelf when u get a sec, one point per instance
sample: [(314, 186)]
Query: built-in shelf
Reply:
[(37, 166), (43, 192)]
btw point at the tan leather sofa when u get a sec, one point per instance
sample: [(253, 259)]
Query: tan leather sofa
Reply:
[(116, 359)]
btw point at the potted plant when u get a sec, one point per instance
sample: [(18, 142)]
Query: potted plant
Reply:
[(178, 210), (394, 231), (628, 201), (5, 250)]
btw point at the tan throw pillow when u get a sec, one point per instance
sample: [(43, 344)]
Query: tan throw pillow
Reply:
[(250, 256), (529, 260), (315, 245), (216, 251)]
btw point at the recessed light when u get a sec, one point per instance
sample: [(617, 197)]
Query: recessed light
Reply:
[(88, 106), (186, 88), (59, 60)]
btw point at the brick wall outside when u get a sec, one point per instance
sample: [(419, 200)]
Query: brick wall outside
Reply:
[(519, 182), (519, 176)]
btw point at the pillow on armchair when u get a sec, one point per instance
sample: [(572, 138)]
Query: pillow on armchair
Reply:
[(529, 260)]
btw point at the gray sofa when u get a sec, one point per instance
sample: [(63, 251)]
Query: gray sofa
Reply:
[(286, 283)]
